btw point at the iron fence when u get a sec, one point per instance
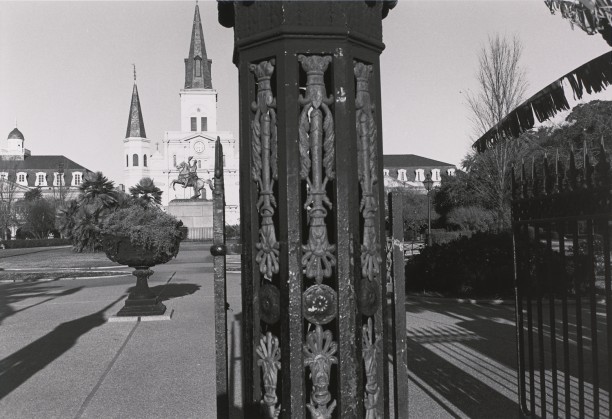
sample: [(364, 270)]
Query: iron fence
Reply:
[(562, 220)]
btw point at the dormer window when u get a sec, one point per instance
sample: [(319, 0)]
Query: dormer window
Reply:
[(419, 175), (450, 172), (41, 179), (58, 179), (435, 175), (22, 178), (385, 172), (401, 175), (3, 175), (77, 178)]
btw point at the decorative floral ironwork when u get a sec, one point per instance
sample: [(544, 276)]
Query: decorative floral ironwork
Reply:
[(320, 304), (368, 297), (319, 353), (269, 303), (269, 361), (265, 168), (367, 153), (316, 136), (370, 348)]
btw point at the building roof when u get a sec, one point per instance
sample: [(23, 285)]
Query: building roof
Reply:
[(135, 127), (411, 160), (15, 133), (194, 78), (42, 163)]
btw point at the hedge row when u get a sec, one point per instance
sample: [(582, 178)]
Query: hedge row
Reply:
[(22, 244), (479, 266)]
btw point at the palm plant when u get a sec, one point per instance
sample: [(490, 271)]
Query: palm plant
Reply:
[(86, 231), (146, 193), (97, 192), (66, 219)]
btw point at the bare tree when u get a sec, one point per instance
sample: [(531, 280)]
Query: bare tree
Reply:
[(501, 88)]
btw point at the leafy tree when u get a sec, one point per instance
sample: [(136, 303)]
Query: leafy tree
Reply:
[(453, 192), (501, 88), (471, 218), (33, 195), (39, 218), (146, 193), (415, 211)]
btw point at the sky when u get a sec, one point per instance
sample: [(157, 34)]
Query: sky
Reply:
[(66, 70)]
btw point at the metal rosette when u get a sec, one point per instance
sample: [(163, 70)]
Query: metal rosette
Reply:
[(320, 304), (269, 303)]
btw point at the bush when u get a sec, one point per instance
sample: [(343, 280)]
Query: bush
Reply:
[(479, 266), (23, 244), (442, 236), (471, 218)]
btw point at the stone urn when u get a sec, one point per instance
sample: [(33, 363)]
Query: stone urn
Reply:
[(141, 301)]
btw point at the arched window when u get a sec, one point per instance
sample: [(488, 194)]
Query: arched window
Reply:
[(135, 160), (450, 172), (127, 161), (385, 172), (144, 160), (174, 160)]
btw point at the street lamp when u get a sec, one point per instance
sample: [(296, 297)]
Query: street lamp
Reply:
[(428, 183)]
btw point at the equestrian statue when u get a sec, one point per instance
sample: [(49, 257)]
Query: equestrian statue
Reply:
[(188, 177)]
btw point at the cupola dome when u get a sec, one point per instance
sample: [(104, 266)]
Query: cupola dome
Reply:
[(15, 134)]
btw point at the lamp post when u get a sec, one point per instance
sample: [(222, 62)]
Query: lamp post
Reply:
[(428, 183), (60, 175)]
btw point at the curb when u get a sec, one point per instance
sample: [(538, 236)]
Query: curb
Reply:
[(472, 301), (13, 281)]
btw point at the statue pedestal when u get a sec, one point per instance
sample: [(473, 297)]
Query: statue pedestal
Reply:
[(196, 215)]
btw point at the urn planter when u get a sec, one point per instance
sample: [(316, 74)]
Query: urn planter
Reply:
[(141, 301), (141, 238)]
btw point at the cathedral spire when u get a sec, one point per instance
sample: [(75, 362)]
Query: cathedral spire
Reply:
[(135, 127), (197, 65)]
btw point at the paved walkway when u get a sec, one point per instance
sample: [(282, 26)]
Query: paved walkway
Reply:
[(60, 358)]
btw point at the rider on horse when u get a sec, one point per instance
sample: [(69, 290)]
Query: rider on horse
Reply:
[(188, 173)]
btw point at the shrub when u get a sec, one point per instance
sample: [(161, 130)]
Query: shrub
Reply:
[(481, 265), (471, 218)]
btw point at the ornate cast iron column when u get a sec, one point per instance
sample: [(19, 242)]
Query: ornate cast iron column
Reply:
[(312, 212)]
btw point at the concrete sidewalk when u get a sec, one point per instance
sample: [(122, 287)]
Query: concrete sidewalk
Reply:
[(60, 358)]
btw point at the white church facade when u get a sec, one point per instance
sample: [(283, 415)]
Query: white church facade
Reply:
[(195, 141)]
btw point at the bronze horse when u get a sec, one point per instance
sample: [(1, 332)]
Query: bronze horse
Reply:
[(189, 178)]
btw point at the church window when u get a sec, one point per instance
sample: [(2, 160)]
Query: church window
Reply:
[(401, 175), (199, 164), (127, 161), (204, 126), (194, 123), (135, 160), (144, 160), (198, 67), (174, 160)]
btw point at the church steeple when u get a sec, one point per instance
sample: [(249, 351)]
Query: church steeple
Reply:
[(135, 127), (197, 65)]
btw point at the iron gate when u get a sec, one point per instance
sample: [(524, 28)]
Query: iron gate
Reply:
[(561, 218)]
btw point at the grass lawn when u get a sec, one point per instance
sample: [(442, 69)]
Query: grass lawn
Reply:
[(50, 258)]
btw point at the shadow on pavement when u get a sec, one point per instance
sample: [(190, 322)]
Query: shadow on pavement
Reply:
[(13, 293), (18, 367), (168, 291)]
